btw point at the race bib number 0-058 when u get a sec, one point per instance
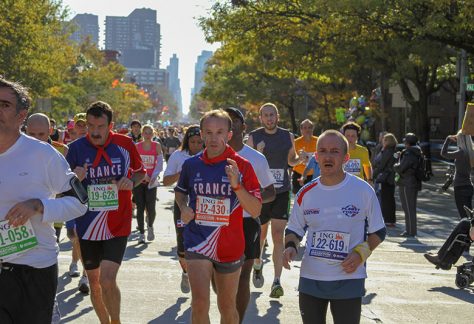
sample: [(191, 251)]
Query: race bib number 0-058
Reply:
[(102, 197), (16, 240), (330, 245), (279, 175), (212, 211)]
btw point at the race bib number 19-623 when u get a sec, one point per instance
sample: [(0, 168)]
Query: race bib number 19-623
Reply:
[(16, 240), (102, 197)]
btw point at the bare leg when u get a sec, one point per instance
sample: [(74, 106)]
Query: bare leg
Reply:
[(96, 296), (243, 293), (278, 228), (227, 284), (200, 273), (110, 290)]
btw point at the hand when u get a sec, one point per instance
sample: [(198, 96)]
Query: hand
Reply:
[(81, 172), (21, 212), (146, 179), (301, 181), (453, 138), (351, 263), (261, 146), (232, 171), (124, 184), (288, 255), (302, 157), (187, 214)]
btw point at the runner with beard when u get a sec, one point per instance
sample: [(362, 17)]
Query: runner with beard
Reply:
[(278, 146)]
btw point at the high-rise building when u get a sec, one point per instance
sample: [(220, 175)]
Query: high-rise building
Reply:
[(137, 37), (199, 70), (174, 82), (86, 25)]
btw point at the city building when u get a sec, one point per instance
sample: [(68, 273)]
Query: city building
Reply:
[(148, 78), (85, 25), (174, 82), (199, 70)]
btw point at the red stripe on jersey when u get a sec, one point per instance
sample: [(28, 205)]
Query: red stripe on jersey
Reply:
[(305, 190)]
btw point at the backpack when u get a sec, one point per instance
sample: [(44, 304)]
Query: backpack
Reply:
[(422, 172)]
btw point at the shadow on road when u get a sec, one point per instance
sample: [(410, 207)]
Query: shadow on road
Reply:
[(466, 295), (134, 250), (170, 315), (367, 299), (173, 253), (271, 316)]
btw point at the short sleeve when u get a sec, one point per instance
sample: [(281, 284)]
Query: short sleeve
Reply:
[(265, 177), (297, 223), (173, 165), (183, 181), (374, 213), (250, 180)]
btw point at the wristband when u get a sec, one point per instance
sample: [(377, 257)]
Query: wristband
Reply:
[(291, 244), (236, 188), (363, 250)]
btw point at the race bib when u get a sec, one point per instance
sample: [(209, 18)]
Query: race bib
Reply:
[(353, 166), (148, 161), (102, 197), (212, 211), (279, 175), (16, 240), (330, 245)]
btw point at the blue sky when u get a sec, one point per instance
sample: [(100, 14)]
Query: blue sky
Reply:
[(180, 32)]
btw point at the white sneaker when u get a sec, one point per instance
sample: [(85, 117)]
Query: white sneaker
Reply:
[(150, 234), (185, 287), (74, 270), (56, 318), (84, 284), (141, 239)]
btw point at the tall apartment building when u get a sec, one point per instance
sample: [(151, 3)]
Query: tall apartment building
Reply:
[(199, 70), (86, 25), (174, 82), (137, 37)]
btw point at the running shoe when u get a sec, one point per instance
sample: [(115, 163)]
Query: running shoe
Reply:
[(141, 239), (185, 287), (84, 285), (56, 318), (277, 290), (74, 270), (150, 234), (257, 278)]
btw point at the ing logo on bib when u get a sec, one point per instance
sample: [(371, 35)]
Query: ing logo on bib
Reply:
[(350, 210)]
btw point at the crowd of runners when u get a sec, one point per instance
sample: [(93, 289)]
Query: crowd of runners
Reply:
[(228, 194)]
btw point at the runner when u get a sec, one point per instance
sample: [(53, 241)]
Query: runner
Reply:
[(220, 185), (109, 166), (171, 143), (136, 132), (28, 207), (337, 211), (359, 162), (278, 146), (251, 225), (192, 145), (145, 193), (305, 145)]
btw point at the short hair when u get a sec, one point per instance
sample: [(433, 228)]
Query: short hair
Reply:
[(410, 139), (23, 99), (268, 104), (351, 125), (100, 108), (216, 113), (38, 118), (135, 122), (306, 121), (391, 139), (333, 132)]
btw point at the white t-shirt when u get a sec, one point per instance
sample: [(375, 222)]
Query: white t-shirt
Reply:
[(31, 169), (260, 166), (334, 218), (175, 162)]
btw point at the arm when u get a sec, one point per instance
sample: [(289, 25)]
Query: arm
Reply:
[(250, 142), (249, 202), (173, 170), (293, 158), (187, 213), (444, 150), (170, 179), (268, 194)]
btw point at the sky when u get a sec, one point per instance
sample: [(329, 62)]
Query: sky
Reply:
[(180, 32)]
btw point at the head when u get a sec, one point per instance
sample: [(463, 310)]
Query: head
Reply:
[(216, 131), (136, 127), (410, 139), (14, 104), (37, 126), (351, 131), (172, 132), (238, 122), (389, 141), (332, 152), (268, 115), (147, 132), (381, 135), (306, 128), (80, 125), (52, 123), (99, 122), (192, 141)]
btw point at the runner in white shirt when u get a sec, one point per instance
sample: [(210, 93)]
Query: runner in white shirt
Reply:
[(191, 145), (251, 225), (32, 174), (336, 210)]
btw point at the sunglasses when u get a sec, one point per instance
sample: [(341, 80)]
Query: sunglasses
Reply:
[(194, 132)]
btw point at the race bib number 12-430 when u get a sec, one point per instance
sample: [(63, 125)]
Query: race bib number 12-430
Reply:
[(212, 211)]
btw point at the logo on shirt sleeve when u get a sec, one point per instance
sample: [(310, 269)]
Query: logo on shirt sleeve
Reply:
[(350, 210), (312, 211)]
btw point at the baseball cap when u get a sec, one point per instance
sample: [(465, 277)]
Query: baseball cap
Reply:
[(411, 139), (236, 112), (80, 117), (70, 124)]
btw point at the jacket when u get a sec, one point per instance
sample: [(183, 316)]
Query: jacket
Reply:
[(383, 163), (406, 167)]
